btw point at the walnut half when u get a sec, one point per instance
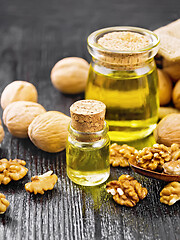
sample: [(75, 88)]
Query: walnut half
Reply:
[(4, 203), (170, 193), (126, 191), (119, 155), (12, 170), (172, 167), (42, 183)]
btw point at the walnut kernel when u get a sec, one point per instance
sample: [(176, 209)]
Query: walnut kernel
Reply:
[(153, 158), (170, 193), (126, 191), (41, 183), (172, 167), (119, 155), (4, 203), (12, 170)]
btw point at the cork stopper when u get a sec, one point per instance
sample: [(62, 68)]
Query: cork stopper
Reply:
[(124, 41), (126, 49), (88, 115)]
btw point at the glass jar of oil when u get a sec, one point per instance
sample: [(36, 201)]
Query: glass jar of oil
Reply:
[(87, 150), (123, 76)]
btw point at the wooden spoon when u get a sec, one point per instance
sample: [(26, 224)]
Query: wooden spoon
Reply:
[(152, 174)]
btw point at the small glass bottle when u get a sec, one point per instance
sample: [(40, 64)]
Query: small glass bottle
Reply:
[(87, 149), (123, 76)]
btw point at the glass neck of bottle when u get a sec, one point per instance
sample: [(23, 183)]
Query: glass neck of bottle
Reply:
[(88, 136)]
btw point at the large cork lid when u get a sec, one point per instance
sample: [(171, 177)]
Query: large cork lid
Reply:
[(123, 48), (88, 115)]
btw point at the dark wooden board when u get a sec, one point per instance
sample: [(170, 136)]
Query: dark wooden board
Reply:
[(34, 35)]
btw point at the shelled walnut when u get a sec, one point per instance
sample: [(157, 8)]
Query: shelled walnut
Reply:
[(41, 183), (126, 191), (170, 193), (119, 155), (12, 170), (175, 152), (172, 167), (4, 203), (153, 158)]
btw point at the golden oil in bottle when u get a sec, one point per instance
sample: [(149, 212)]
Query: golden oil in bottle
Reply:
[(87, 149), (131, 99), (126, 82)]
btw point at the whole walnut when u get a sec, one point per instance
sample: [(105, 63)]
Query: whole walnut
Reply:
[(176, 95), (165, 88), (18, 115), (49, 131), (167, 131), (70, 74), (18, 91), (1, 132)]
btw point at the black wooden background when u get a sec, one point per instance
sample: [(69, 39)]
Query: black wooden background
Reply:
[(34, 35)]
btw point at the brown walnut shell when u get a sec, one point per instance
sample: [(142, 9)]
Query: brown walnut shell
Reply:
[(176, 95), (49, 131), (165, 88), (167, 131)]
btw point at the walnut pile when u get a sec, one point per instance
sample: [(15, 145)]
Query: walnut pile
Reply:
[(119, 155), (170, 193), (4, 203), (12, 170), (41, 183), (153, 158), (126, 191)]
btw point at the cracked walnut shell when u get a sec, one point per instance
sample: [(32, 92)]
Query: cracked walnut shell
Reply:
[(18, 115), (12, 170), (41, 183), (4, 203), (18, 91), (126, 191), (170, 193), (119, 155)]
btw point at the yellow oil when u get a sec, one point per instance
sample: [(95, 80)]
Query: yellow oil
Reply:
[(131, 98), (87, 164)]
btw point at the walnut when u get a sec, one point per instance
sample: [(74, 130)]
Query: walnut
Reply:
[(42, 183), (4, 203), (170, 193), (165, 87), (172, 167), (17, 116), (126, 191), (49, 131), (70, 75), (18, 91), (175, 152), (168, 130), (12, 170), (153, 157), (119, 155)]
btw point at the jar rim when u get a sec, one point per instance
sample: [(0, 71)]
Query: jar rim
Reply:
[(93, 37)]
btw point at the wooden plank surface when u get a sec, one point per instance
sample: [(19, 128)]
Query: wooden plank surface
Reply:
[(34, 35)]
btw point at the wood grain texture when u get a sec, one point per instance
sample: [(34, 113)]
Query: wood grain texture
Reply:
[(34, 35)]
